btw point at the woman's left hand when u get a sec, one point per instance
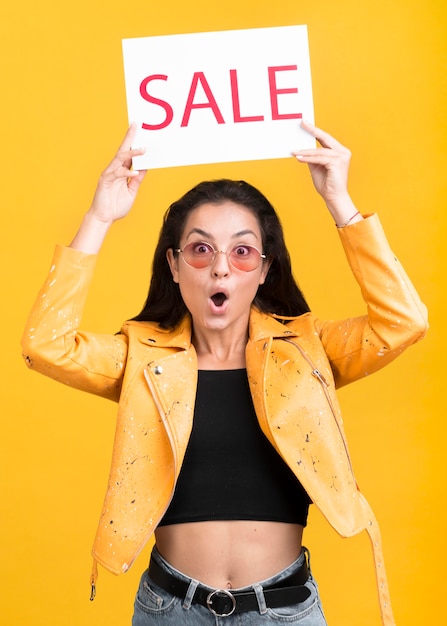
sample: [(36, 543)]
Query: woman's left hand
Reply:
[(329, 166)]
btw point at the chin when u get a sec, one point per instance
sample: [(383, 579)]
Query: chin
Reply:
[(216, 324)]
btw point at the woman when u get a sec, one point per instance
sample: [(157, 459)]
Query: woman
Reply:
[(228, 424)]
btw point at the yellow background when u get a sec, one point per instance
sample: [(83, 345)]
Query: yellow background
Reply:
[(379, 86)]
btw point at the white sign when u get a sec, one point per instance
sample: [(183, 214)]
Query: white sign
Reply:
[(221, 96)]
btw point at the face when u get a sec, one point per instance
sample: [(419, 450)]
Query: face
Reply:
[(219, 295)]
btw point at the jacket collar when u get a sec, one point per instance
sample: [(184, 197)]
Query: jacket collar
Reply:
[(262, 326), (265, 326), (151, 334)]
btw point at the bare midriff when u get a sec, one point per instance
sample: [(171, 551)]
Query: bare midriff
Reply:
[(230, 554)]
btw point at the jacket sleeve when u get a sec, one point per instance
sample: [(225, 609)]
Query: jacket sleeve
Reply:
[(52, 343), (396, 317)]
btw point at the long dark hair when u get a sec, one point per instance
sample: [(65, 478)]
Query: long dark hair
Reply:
[(279, 294)]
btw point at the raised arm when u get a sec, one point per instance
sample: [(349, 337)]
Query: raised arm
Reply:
[(396, 318), (52, 343), (329, 165), (115, 194)]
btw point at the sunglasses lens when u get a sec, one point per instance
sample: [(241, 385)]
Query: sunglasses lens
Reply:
[(198, 254), (246, 258)]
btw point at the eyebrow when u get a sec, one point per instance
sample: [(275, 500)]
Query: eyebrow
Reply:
[(203, 233)]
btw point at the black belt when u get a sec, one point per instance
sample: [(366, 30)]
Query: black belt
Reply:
[(223, 602)]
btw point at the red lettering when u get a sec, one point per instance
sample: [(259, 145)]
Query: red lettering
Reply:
[(236, 104), (164, 105), (211, 102), (274, 92)]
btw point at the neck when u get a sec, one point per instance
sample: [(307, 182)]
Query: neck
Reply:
[(217, 350)]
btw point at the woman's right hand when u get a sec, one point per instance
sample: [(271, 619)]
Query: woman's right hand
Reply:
[(118, 184), (114, 196)]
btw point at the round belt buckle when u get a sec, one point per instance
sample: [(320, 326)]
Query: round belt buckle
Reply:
[(227, 594)]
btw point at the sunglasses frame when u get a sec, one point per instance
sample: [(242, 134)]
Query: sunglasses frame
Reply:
[(262, 257)]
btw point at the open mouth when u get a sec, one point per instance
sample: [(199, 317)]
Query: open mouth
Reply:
[(219, 298)]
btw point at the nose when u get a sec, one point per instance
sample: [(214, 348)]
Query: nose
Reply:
[(220, 265)]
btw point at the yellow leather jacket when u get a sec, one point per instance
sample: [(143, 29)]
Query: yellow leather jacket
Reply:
[(293, 369)]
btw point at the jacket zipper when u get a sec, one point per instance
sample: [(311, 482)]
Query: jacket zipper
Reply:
[(324, 384), (171, 441)]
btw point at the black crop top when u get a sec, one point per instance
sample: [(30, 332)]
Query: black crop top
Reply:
[(230, 470)]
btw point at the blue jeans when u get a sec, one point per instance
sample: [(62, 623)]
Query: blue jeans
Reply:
[(155, 606)]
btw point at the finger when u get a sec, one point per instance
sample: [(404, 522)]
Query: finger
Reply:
[(324, 138), (124, 158), (125, 153), (128, 138), (136, 180), (322, 156), (118, 173)]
